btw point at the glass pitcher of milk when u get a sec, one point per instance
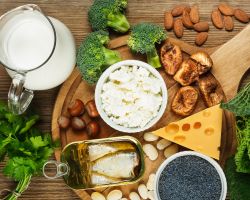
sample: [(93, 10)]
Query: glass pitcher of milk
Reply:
[(27, 42)]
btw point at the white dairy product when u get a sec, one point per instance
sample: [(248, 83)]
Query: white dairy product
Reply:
[(28, 40), (132, 96)]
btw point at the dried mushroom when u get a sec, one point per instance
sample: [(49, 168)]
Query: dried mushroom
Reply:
[(188, 73), (211, 93), (203, 62), (171, 58), (185, 100)]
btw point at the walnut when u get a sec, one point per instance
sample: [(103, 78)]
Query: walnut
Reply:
[(188, 73), (171, 58), (185, 100), (211, 93)]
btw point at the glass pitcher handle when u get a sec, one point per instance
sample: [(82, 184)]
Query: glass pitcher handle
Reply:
[(61, 169), (19, 98)]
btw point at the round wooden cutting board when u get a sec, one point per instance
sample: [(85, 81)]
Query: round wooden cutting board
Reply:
[(75, 87)]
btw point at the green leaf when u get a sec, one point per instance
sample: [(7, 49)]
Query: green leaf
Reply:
[(238, 183), (18, 167), (3, 144), (240, 104), (5, 128), (38, 142), (32, 120)]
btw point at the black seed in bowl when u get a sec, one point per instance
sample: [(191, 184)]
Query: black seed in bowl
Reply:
[(189, 178)]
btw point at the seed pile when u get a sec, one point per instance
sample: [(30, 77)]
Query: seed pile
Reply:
[(189, 17), (189, 177)]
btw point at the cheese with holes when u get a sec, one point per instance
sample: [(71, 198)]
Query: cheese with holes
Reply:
[(200, 132)]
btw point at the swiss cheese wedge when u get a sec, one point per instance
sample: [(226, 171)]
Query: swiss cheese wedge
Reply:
[(200, 132)]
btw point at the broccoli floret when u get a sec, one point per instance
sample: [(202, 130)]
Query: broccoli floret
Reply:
[(108, 13), (93, 57), (143, 38)]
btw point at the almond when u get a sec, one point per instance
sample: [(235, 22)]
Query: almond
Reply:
[(217, 19), (186, 19), (228, 22), (178, 10), (194, 14), (187, 8), (201, 38), (226, 9), (241, 15), (178, 28), (168, 21), (201, 27)]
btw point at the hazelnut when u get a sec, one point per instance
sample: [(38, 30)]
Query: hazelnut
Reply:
[(63, 122), (91, 109), (78, 123), (76, 108), (93, 129)]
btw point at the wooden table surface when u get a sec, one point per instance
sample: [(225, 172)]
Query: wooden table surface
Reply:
[(74, 14)]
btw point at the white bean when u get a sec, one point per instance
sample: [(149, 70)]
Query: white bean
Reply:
[(162, 144), (97, 196), (151, 182), (172, 149), (150, 137), (114, 195), (150, 151), (151, 195), (134, 196), (143, 191)]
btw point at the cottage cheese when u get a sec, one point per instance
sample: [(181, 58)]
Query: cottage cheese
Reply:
[(132, 96)]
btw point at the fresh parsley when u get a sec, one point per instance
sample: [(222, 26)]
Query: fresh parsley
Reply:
[(26, 147)]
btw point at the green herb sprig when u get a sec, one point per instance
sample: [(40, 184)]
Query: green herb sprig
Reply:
[(26, 147)]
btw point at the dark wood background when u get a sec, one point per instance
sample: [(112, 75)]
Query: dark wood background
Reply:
[(74, 14)]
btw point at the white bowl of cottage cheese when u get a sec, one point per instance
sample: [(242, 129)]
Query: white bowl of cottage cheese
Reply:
[(131, 96)]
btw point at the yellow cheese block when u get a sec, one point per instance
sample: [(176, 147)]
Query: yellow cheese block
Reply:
[(200, 132)]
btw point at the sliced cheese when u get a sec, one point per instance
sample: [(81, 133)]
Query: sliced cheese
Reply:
[(200, 132)]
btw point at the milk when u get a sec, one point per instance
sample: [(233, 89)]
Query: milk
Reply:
[(28, 40)]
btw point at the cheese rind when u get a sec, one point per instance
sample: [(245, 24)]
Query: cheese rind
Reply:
[(200, 132)]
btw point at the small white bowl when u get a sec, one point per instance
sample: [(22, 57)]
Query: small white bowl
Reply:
[(192, 153), (104, 78)]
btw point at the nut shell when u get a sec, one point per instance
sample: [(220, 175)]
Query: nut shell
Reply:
[(91, 109), (188, 73), (168, 21), (186, 20), (228, 22), (178, 28), (241, 15), (171, 58), (93, 129), (201, 38), (203, 61), (225, 9), (217, 19), (76, 108), (78, 123), (63, 122), (185, 100), (178, 10), (194, 14), (201, 27)]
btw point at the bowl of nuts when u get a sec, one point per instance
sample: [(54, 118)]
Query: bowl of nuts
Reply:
[(131, 96)]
